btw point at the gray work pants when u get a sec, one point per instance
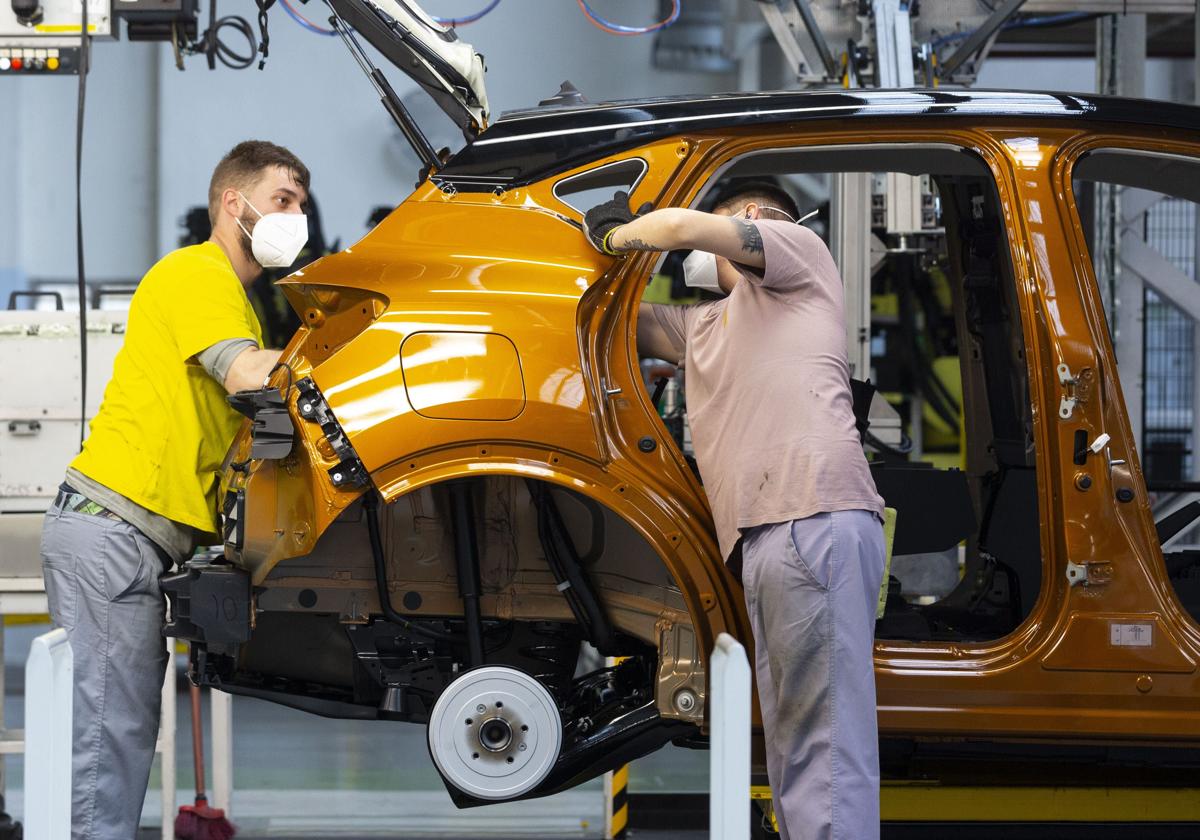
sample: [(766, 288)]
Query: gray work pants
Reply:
[(812, 586), (102, 584)]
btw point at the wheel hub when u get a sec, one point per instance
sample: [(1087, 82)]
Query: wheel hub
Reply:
[(495, 733)]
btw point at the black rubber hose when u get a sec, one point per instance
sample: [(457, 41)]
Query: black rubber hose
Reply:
[(85, 61), (466, 558), (556, 541), (371, 506), (546, 537)]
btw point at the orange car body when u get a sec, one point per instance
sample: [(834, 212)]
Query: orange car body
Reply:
[(474, 334)]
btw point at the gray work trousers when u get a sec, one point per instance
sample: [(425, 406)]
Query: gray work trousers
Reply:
[(812, 586), (102, 584)]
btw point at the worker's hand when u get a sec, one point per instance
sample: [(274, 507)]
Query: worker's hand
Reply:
[(600, 222)]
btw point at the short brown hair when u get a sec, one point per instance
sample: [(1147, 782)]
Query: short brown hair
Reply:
[(243, 167), (761, 191)]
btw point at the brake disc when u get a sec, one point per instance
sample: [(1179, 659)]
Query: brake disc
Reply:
[(495, 733)]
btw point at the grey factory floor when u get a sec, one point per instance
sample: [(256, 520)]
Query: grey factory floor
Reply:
[(297, 775)]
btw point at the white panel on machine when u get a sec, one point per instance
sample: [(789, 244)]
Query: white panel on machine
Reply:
[(54, 19), (39, 415), (41, 37)]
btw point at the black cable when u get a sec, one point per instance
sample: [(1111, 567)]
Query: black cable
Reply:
[(84, 61), (564, 563), (215, 49), (466, 564), (287, 393), (554, 561), (660, 385), (371, 506), (264, 36), (209, 38), (227, 56)]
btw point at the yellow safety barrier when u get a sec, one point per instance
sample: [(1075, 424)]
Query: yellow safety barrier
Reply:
[(924, 801), (616, 789), (762, 794), (14, 620), (934, 802)]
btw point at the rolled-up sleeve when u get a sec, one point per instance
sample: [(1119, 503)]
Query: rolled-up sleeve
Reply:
[(218, 358)]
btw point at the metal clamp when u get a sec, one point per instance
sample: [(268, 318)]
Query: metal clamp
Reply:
[(1077, 574), (1075, 389)]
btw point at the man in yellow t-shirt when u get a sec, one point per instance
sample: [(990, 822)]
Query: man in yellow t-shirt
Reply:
[(143, 492)]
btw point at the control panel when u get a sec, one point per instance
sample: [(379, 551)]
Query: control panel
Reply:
[(43, 60), (42, 36)]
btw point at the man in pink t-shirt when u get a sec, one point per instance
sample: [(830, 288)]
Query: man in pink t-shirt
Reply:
[(768, 398)]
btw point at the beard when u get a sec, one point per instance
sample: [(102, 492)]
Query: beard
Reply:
[(248, 220)]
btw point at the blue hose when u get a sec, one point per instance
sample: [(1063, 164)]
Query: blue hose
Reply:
[(469, 18)]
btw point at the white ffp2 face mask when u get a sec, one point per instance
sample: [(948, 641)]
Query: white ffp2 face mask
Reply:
[(277, 237), (700, 271)]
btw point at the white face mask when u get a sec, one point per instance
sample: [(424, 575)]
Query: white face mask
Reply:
[(778, 210), (700, 271), (700, 267), (277, 237)]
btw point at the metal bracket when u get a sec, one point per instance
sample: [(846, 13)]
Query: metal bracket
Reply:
[(1069, 400), (24, 428), (783, 30), (979, 39), (313, 408), (1077, 574), (893, 43), (271, 431)]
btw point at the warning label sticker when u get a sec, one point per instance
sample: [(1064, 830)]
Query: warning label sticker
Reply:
[(1131, 635)]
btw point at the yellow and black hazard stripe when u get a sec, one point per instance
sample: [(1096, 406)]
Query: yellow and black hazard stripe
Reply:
[(617, 822), (616, 790)]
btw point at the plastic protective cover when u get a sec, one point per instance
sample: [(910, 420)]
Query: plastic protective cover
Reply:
[(447, 68)]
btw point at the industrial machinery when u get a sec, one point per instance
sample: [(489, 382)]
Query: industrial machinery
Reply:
[(39, 425), (43, 36)]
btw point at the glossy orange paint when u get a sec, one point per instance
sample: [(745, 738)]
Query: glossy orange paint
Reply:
[(515, 267)]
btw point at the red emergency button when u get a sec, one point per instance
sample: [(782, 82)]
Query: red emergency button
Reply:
[(17, 64)]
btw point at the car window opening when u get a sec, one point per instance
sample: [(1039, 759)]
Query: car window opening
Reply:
[(1152, 198), (954, 449), (587, 189)]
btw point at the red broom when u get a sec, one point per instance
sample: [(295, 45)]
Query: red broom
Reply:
[(200, 822)]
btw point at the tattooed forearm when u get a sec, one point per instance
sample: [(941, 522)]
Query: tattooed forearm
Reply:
[(751, 239), (636, 244)]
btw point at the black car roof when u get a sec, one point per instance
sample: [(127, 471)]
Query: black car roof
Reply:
[(527, 146)]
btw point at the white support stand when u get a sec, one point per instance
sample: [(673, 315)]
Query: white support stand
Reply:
[(48, 716), (729, 741), (166, 745), (222, 749)]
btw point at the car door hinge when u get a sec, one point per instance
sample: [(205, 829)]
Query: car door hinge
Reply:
[(1076, 389)]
